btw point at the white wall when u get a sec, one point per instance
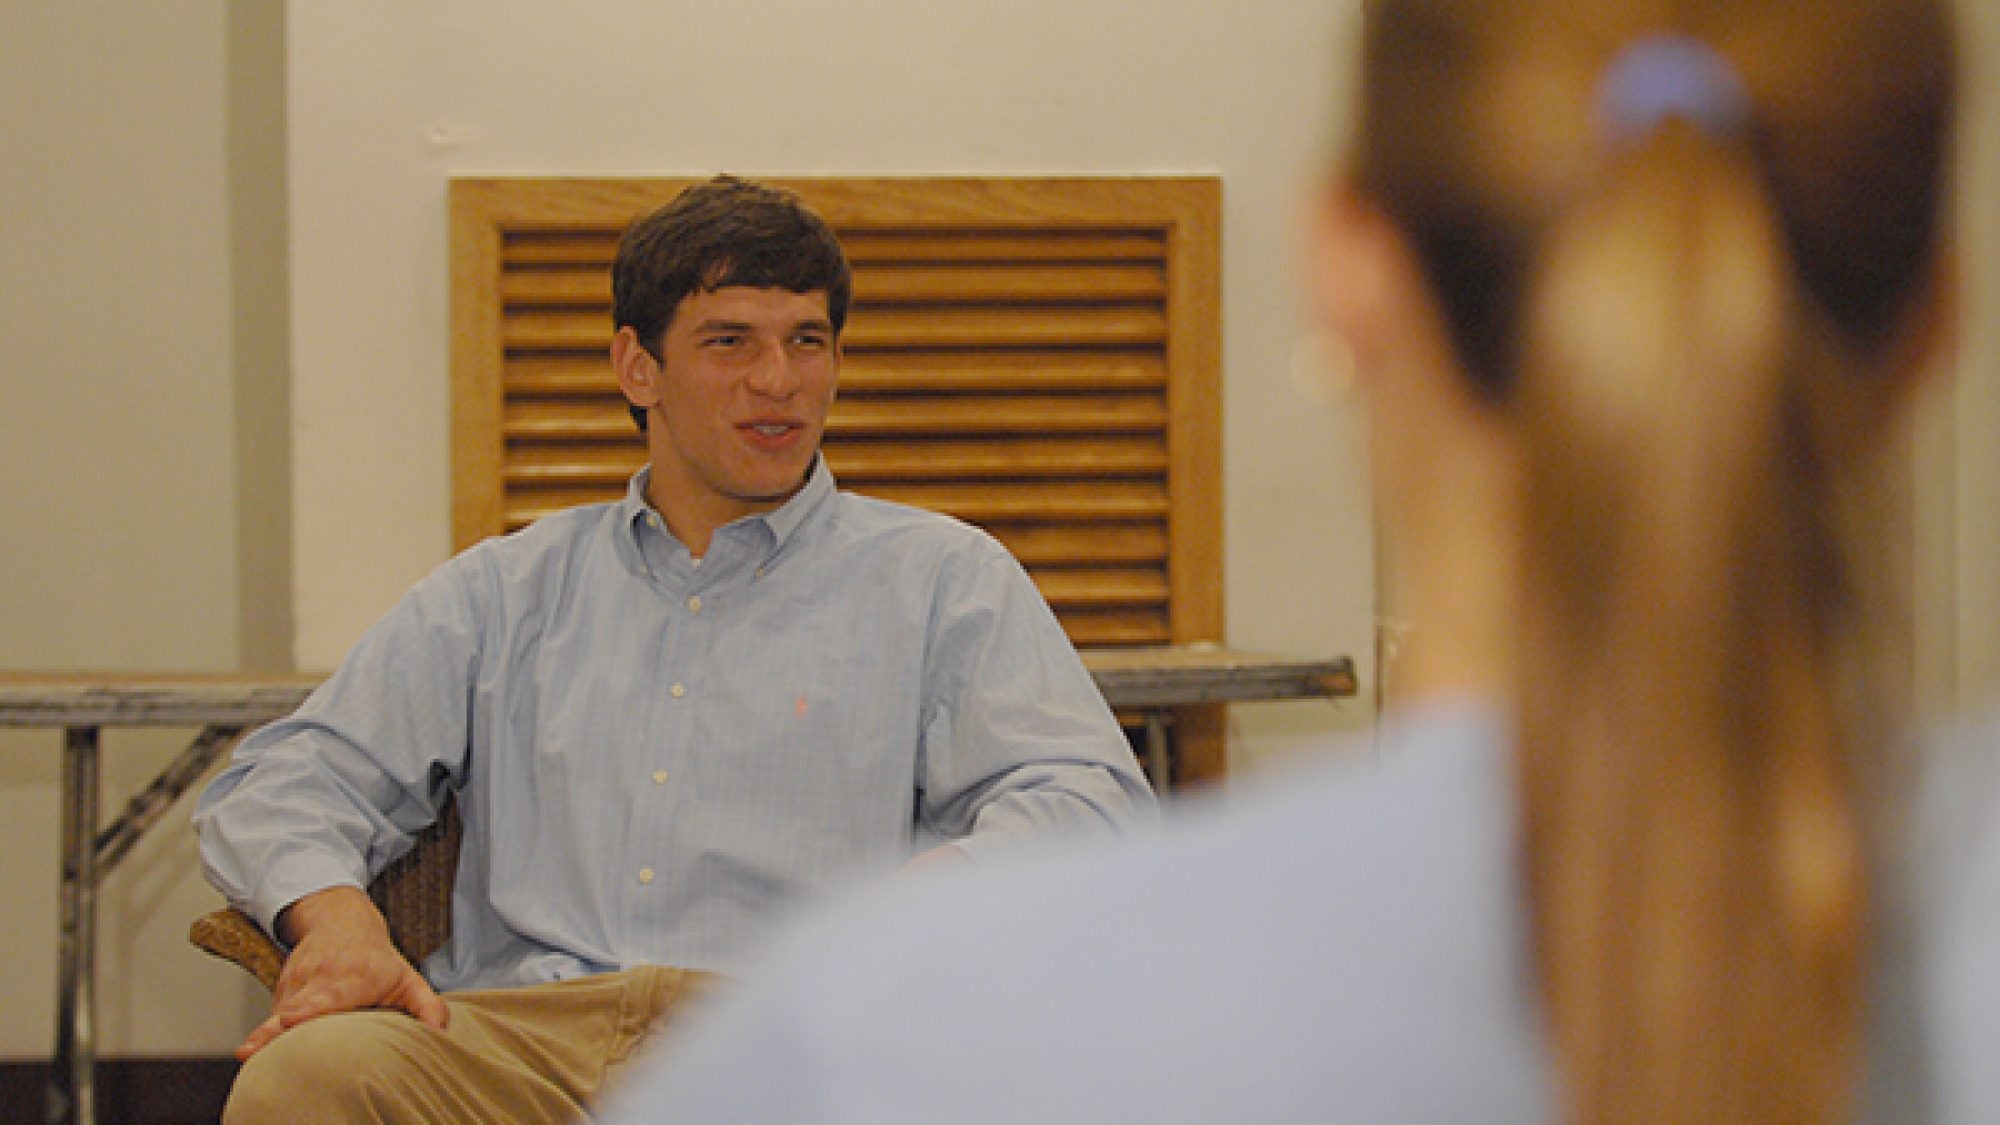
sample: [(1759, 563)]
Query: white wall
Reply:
[(390, 99), (116, 339), (148, 312), (135, 119), (118, 464), (1976, 399)]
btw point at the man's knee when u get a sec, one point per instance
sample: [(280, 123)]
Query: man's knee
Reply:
[(344, 1066)]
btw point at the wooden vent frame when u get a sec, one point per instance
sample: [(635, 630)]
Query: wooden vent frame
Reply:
[(1039, 356)]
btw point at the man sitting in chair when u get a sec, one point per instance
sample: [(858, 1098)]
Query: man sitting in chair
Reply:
[(666, 720)]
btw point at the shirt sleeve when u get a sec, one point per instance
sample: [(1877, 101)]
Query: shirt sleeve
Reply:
[(332, 794), (1018, 742)]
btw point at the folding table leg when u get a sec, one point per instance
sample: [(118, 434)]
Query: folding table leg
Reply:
[(71, 1095), (1159, 761)]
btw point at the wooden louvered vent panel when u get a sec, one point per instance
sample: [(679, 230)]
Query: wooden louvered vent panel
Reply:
[(1034, 356)]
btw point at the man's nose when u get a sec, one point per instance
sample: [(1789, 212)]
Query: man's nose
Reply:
[(774, 373)]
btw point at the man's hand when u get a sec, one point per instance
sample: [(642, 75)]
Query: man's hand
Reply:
[(342, 960)]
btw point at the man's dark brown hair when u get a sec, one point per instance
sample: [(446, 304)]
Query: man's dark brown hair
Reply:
[(726, 232)]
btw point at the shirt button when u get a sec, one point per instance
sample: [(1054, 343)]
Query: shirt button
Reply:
[(760, 572), (694, 604), (659, 777), (677, 690), (653, 518), (645, 875)]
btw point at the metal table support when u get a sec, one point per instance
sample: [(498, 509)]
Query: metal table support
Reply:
[(1155, 681), (1150, 681), (81, 706), (70, 1086)]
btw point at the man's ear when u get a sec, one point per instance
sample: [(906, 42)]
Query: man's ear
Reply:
[(638, 372)]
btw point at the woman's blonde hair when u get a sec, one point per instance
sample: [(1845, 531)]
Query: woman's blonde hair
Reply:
[(1689, 329)]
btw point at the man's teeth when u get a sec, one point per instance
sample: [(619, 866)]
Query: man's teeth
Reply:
[(771, 431)]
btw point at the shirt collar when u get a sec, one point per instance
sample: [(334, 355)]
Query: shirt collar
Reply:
[(787, 517), (782, 521)]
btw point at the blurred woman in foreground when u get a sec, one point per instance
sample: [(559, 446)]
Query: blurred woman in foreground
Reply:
[(1638, 294)]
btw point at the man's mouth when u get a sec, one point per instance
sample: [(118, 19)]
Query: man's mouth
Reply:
[(772, 435)]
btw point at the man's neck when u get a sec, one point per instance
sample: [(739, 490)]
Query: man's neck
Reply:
[(695, 523), (694, 529)]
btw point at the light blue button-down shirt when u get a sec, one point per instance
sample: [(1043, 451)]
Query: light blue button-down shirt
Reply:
[(657, 756)]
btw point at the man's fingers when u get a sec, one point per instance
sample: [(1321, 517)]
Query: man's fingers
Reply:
[(421, 1001), (259, 1037), (411, 993), (311, 1002), (310, 995)]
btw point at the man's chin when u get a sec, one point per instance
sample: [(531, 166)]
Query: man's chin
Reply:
[(772, 492)]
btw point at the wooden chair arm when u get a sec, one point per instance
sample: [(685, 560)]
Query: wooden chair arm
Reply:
[(413, 893), (232, 936)]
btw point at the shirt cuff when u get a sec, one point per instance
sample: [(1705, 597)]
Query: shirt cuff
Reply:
[(271, 900)]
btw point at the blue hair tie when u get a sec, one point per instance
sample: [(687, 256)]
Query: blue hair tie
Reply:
[(1664, 76)]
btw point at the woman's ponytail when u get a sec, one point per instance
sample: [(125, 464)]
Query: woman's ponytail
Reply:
[(1696, 871)]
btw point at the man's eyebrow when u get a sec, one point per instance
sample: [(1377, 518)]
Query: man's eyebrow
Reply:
[(719, 324)]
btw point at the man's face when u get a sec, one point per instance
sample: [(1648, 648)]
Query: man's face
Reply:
[(737, 402)]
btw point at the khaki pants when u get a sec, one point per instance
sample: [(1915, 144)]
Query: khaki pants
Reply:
[(541, 1053)]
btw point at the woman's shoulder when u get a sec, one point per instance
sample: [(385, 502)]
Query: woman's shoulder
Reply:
[(1952, 886), (1346, 939), (1956, 813)]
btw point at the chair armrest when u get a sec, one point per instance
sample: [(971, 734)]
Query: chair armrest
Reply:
[(232, 936)]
